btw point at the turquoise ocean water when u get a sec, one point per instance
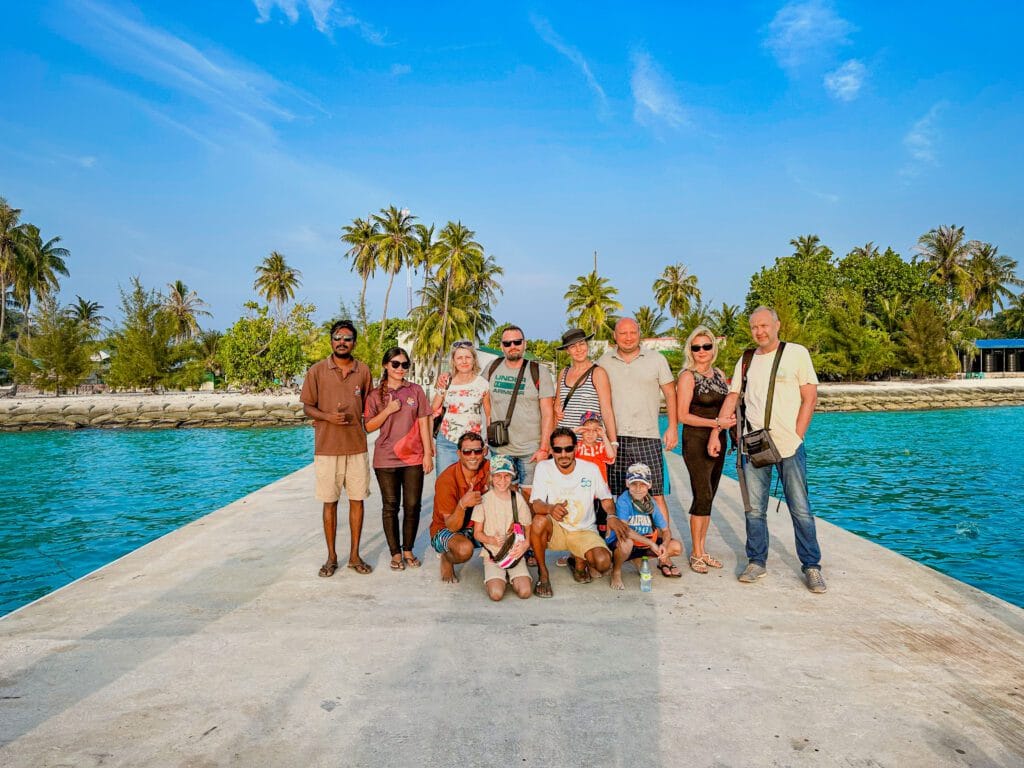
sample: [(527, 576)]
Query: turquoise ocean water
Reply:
[(945, 488), (942, 487)]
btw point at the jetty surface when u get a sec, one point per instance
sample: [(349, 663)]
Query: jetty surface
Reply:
[(218, 645)]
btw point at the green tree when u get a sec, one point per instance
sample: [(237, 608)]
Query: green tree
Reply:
[(1010, 322), (258, 352), (847, 346), (276, 281), (925, 347), (946, 252), (185, 307), (395, 244), (482, 288), (726, 320), (990, 277), (459, 255), (807, 278), (651, 322), (143, 349), (87, 313), (359, 235), (37, 264), (56, 357), (592, 303), (676, 289), (10, 234), (698, 314), (426, 251), (435, 326)]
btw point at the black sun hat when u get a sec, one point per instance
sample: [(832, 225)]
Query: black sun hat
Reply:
[(574, 335)]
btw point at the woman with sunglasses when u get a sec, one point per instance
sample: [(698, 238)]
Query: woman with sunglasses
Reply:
[(463, 400), (699, 395), (402, 453)]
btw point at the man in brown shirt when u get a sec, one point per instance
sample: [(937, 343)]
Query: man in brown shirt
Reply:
[(333, 396), (456, 492)]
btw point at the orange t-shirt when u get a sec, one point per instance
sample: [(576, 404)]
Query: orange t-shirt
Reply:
[(595, 454), (451, 486)]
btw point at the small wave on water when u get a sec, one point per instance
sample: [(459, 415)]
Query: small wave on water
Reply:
[(71, 502), (945, 488)]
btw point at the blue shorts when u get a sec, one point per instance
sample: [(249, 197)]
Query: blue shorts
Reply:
[(440, 541)]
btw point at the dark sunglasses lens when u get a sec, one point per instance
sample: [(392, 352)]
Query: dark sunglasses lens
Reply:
[(344, 338), (562, 449), (397, 364), (699, 347), (473, 451), (463, 345), (513, 343)]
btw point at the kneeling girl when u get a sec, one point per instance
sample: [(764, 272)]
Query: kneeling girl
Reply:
[(492, 521)]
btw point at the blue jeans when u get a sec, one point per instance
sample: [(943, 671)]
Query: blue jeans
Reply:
[(793, 472), (447, 453)]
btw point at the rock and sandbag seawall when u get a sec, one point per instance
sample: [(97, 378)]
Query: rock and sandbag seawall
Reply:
[(183, 410), (150, 412)]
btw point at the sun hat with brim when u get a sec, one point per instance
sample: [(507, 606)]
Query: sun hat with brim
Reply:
[(574, 335), (502, 465), (637, 473)]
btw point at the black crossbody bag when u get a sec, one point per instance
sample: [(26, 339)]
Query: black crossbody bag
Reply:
[(757, 444), (497, 431)]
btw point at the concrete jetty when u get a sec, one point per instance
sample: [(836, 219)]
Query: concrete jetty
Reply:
[(217, 645)]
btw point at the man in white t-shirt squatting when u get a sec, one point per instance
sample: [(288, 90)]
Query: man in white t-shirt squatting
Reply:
[(563, 497), (796, 392)]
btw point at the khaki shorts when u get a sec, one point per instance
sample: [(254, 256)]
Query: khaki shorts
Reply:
[(492, 571), (336, 472), (576, 542)]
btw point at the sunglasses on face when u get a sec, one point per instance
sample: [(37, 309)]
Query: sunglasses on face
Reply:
[(472, 451), (396, 364), (348, 339), (699, 347), (512, 343), (563, 449), (464, 344)]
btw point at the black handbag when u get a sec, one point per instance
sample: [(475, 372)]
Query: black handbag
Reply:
[(497, 431)]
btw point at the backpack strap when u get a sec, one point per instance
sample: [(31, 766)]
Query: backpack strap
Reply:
[(534, 371)]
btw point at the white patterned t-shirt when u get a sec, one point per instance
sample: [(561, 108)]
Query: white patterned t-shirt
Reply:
[(464, 408)]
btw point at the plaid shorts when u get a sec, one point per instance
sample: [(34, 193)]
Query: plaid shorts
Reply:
[(646, 450), (441, 539)]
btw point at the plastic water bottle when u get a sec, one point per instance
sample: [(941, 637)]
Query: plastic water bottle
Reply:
[(646, 582)]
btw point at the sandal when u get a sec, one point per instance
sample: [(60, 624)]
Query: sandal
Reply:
[(543, 589), (711, 561), (412, 561), (579, 575), (360, 567), (669, 570), (397, 565), (697, 565), (328, 568)]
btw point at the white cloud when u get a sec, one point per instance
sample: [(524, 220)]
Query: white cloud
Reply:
[(654, 100), (801, 31), (397, 70), (573, 54), (326, 17), (920, 141), (845, 82)]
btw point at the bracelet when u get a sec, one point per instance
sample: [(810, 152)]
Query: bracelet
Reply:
[(614, 443)]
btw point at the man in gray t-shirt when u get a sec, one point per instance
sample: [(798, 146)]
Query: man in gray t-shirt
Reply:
[(534, 415)]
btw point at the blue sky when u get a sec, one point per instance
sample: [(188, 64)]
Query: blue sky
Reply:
[(186, 141)]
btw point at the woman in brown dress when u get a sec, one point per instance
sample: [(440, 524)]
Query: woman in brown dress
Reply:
[(699, 395)]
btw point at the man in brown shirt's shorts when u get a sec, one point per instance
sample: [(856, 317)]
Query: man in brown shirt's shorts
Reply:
[(333, 396)]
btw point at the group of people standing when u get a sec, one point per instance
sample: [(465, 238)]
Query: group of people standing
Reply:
[(571, 463)]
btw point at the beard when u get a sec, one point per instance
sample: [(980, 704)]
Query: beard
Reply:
[(343, 355)]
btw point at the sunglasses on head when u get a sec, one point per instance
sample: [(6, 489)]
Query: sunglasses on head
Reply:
[(472, 451), (339, 337), (699, 347), (512, 343), (563, 449), (396, 364), (464, 344)]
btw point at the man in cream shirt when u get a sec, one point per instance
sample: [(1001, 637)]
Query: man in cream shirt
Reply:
[(796, 392)]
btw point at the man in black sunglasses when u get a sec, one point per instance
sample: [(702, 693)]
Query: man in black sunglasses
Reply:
[(333, 396), (533, 416)]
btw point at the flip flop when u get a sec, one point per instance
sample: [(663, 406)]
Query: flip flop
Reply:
[(543, 589), (412, 562), (328, 568), (670, 570), (397, 565), (360, 567), (580, 576)]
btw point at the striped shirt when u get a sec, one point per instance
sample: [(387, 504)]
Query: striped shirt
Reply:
[(583, 399)]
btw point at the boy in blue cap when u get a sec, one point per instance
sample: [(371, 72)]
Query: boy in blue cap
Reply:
[(649, 532)]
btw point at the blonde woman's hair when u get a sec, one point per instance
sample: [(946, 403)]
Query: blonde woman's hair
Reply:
[(472, 351), (700, 330)]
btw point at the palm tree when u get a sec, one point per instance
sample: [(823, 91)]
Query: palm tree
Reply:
[(726, 320), (591, 303), (483, 288), (990, 275), (650, 321), (185, 306), (868, 251), (809, 246), (87, 314), (10, 233), (1011, 319), (208, 350), (276, 281), (363, 253), (36, 267), (889, 317), (394, 242), (946, 253), (434, 326), (675, 289), (458, 257), (426, 251)]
